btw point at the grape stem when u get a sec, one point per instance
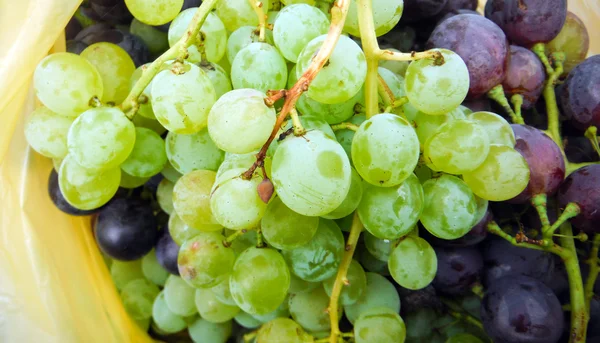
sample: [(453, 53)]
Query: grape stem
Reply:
[(592, 134), (458, 312), (497, 94), (257, 6), (233, 237), (385, 92), (273, 96), (571, 211), (540, 203), (517, 102), (344, 126), (260, 242), (299, 130), (410, 56), (592, 261)]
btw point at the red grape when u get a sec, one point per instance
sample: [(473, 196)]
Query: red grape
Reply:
[(580, 94), (525, 75), (583, 188)]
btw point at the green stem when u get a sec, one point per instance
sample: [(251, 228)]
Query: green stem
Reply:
[(540, 203), (496, 230), (260, 243), (549, 95), (233, 237), (385, 92), (593, 273), (497, 94), (344, 126), (540, 50), (592, 134), (517, 102), (571, 211), (477, 289), (299, 130), (257, 6), (83, 19), (371, 49)]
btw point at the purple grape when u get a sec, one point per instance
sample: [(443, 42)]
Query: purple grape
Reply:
[(455, 13), (579, 149), (167, 251), (72, 29), (583, 188), (113, 12), (480, 43), (59, 200), (520, 309), (525, 75), (76, 46), (478, 105), (416, 10), (414, 300), (458, 269), (527, 22), (135, 47), (580, 94)]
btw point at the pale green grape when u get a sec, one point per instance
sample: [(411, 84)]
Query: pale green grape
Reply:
[(203, 331), (309, 309), (282, 330), (218, 76), (170, 173), (65, 83), (467, 110), (381, 325), (413, 263), (503, 175), (155, 39), (394, 82), (194, 151), (240, 122), (242, 37), (379, 293), (181, 101), (204, 261), (164, 195), (385, 150), (331, 113), (282, 311), (145, 109), (211, 309), (354, 289), (286, 229), (131, 182), (345, 137), (236, 161), (482, 207), (101, 138), (46, 132), (296, 25), (450, 207), (191, 200), (311, 174), (351, 201), (371, 263), (457, 147), (154, 12), (179, 230), (397, 67), (437, 89), (379, 248), (85, 189), (115, 68), (463, 338), (164, 318), (259, 66), (496, 128), (213, 34), (137, 297), (427, 125), (238, 13), (123, 272), (246, 320), (148, 156), (318, 259), (223, 293), (179, 296), (386, 14), (344, 74), (310, 122), (152, 124), (297, 285), (152, 270)]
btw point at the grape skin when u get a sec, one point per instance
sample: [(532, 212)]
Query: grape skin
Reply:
[(204, 261), (295, 26), (213, 32), (46, 132), (285, 229), (379, 292), (154, 12), (191, 200), (413, 263), (386, 14), (194, 151)]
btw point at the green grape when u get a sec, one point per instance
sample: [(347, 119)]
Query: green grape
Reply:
[(351, 201), (170, 173), (243, 242), (496, 128), (297, 285), (164, 318), (573, 40), (191, 200), (156, 40), (115, 68), (154, 12), (282, 311), (164, 196), (152, 270), (148, 123), (450, 207), (413, 263), (247, 321), (296, 25), (203, 331), (123, 272), (65, 83), (138, 297), (394, 82), (463, 338), (310, 123), (240, 121), (176, 101), (345, 137), (357, 283), (318, 259), (238, 13), (379, 248), (285, 229), (371, 263), (502, 176), (282, 330), (427, 125), (466, 110), (311, 174), (223, 293), (179, 296), (391, 212), (386, 14), (437, 89), (344, 75), (148, 156), (482, 207), (260, 280), (131, 182), (145, 109), (309, 309), (214, 35), (385, 150), (331, 113), (379, 293), (211, 309), (457, 147), (381, 325), (46, 132), (85, 189), (259, 66), (180, 231), (218, 76), (236, 161), (101, 138), (397, 67), (194, 151), (204, 261), (242, 37)]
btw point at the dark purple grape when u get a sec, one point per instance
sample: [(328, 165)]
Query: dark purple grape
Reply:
[(126, 229), (525, 75), (167, 251), (416, 10), (72, 29), (545, 160), (152, 184), (478, 105), (583, 188), (414, 300), (456, 12), (527, 22), (113, 12), (59, 200), (580, 94), (520, 309), (455, 5), (593, 329), (135, 47), (579, 149), (480, 43), (457, 269), (573, 40), (76, 46)]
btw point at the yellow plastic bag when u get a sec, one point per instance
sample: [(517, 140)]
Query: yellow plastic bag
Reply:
[(54, 285)]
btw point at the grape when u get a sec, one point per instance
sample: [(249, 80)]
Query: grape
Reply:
[(415, 10), (286, 229), (222, 292), (164, 318), (357, 284), (477, 233), (379, 293), (427, 125), (379, 324), (385, 150), (242, 37), (457, 270), (457, 5), (295, 26), (345, 137), (386, 14), (525, 75), (331, 113), (180, 231), (496, 128), (154, 12), (238, 13), (65, 83), (581, 187), (395, 83), (211, 309), (260, 280), (413, 263), (59, 200), (214, 36), (297, 285), (203, 331), (379, 248), (372, 264), (179, 296), (166, 252), (131, 182), (309, 309), (156, 40), (148, 156), (153, 270), (282, 330), (488, 183), (282, 311), (241, 113), (164, 196), (191, 200), (311, 173), (351, 201), (579, 95), (310, 123), (204, 261), (134, 45), (573, 40), (258, 66), (218, 76), (115, 68), (75, 46), (291, 2), (344, 74), (85, 189), (46, 132), (392, 212), (457, 147), (450, 207), (196, 151), (247, 321), (175, 99), (123, 272), (137, 297)]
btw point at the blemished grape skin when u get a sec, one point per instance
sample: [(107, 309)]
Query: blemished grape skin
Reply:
[(413, 263), (457, 269), (573, 40), (242, 37), (295, 26), (579, 96), (581, 187), (386, 14), (204, 261), (380, 324), (191, 199), (525, 75), (259, 66), (379, 292), (496, 128), (238, 13)]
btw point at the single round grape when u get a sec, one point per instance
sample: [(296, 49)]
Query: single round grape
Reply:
[(204, 261), (525, 76), (194, 151), (65, 83), (164, 318), (214, 35), (386, 14), (179, 296), (450, 207), (392, 212), (385, 150), (238, 13), (101, 138), (218, 76), (191, 200), (457, 270), (124, 272), (131, 182), (351, 201), (137, 297), (211, 309), (502, 176), (309, 310), (427, 125), (379, 324), (282, 330), (344, 74), (581, 187), (357, 283), (579, 96), (379, 293), (46, 132), (573, 40), (379, 248), (247, 321), (154, 12), (203, 331), (413, 263), (242, 37), (223, 293), (153, 270), (164, 196), (180, 231), (258, 66), (285, 229), (295, 26), (148, 156), (260, 280), (496, 128)]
